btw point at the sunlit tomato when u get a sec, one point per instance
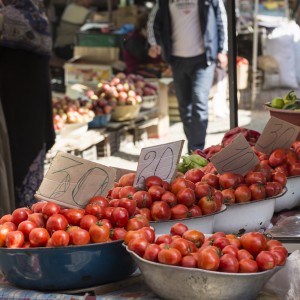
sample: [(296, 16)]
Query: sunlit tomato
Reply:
[(211, 179), (228, 180), (133, 234), (14, 239), (134, 224), (221, 242), (38, 206), (194, 175), (189, 261), (127, 179), (117, 233), (243, 253), (194, 236), (186, 197), (38, 237), (153, 180), (146, 212), (208, 259), (160, 211), (280, 257), (156, 192), (279, 177), (170, 198), (258, 191), (127, 192), (254, 242), (163, 239), (150, 233), (37, 218), (87, 221), (277, 157), (178, 229), (95, 209), (26, 227), (49, 209), (177, 184), (169, 256), (74, 215), (4, 230), (265, 260), (219, 198), (228, 196), (203, 189), (19, 215), (5, 218), (99, 233), (242, 194), (272, 243), (128, 204), (115, 192), (60, 238), (234, 240), (230, 249), (151, 252), (142, 199), (11, 225), (138, 245), (247, 265), (56, 222), (282, 249), (228, 263), (208, 205), (184, 246), (78, 236), (179, 211), (194, 211), (294, 169), (119, 217)]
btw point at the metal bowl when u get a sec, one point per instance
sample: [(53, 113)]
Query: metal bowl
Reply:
[(204, 223), (248, 216), (66, 268), (291, 198), (172, 282)]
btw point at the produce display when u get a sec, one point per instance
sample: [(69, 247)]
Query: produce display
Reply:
[(289, 101)]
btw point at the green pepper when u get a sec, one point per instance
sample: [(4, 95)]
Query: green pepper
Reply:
[(290, 97)]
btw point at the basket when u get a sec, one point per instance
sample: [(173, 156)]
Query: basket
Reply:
[(125, 112), (100, 121), (149, 102)]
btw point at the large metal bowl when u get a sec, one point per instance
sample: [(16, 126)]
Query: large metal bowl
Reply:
[(204, 223), (248, 216), (66, 268), (178, 283), (291, 198)]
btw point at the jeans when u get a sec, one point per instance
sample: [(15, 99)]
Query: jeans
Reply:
[(193, 80)]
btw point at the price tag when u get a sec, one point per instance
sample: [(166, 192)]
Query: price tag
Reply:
[(276, 134), (161, 160), (238, 157), (71, 181)]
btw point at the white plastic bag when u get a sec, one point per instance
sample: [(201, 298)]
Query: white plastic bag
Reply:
[(285, 283)]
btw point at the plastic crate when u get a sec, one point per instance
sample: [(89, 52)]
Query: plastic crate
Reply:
[(100, 40)]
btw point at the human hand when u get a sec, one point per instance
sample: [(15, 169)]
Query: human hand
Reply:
[(222, 60), (154, 51)]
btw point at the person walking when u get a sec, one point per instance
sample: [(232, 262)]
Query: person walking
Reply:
[(192, 36), (25, 92)]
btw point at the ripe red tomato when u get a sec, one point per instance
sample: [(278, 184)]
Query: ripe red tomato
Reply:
[(95, 209), (74, 215), (146, 212), (211, 179), (134, 224), (186, 197), (151, 252), (221, 242), (272, 244), (258, 191), (228, 180), (127, 179), (99, 233), (99, 199), (4, 230), (203, 189), (291, 157), (38, 237), (37, 218), (150, 233), (19, 215), (219, 198), (56, 222), (11, 225), (87, 221), (133, 234), (254, 242), (189, 261), (163, 239), (60, 238), (244, 254), (14, 239), (78, 236), (115, 192), (208, 205), (194, 211), (142, 199), (279, 177), (228, 196), (119, 217), (138, 245), (271, 189), (184, 246), (26, 227), (247, 265), (194, 175), (234, 240), (160, 211), (117, 233), (194, 236), (177, 184), (294, 169), (228, 263), (127, 192), (156, 192), (153, 180), (255, 177), (178, 229), (5, 218), (242, 194), (179, 211), (277, 157), (265, 260), (128, 204), (170, 198), (49, 209), (231, 249), (280, 257), (38, 206), (208, 259), (169, 256)]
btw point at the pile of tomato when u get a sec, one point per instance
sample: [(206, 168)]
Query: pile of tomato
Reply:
[(250, 253)]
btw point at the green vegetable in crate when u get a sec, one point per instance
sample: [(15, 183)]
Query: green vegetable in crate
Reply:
[(290, 98), (190, 162)]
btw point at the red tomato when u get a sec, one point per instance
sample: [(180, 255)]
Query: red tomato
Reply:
[(280, 257), (211, 179), (291, 157), (228, 263), (11, 225), (4, 230), (179, 211), (74, 215), (265, 260), (294, 169), (150, 233), (230, 249), (142, 199), (127, 179), (166, 185), (228, 196), (186, 197), (208, 205), (184, 246), (208, 259), (282, 249), (128, 204), (26, 227), (217, 235), (127, 192), (99, 233), (49, 209), (151, 252), (234, 240), (19, 215), (87, 221), (115, 192), (38, 237), (177, 184), (153, 180), (244, 254), (107, 212), (279, 177), (248, 265), (254, 242), (37, 218), (258, 191), (194, 211), (170, 198), (163, 239), (219, 199), (95, 209), (255, 177), (56, 222), (138, 245), (228, 180), (271, 189), (156, 191), (146, 212), (133, 234), (203, 189), (134, 224), (277, 157), (143, 219), (160, 211), (119, 217), (272, 243), (194, 175), (60, 238), (5, 218), (101, 200), (117, 233), (221, 242), (189, 261), (194, 236), (78, 236), (38, 206), (178, 229), (169, 256), (282, 169), (14, 239), (242, 194)]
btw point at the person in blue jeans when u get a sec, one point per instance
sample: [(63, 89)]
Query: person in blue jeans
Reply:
[(192, 36)]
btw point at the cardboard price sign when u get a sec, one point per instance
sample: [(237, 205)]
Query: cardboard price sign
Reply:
[(71, 181), (276, 134), (161, 160), (238, 157)]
